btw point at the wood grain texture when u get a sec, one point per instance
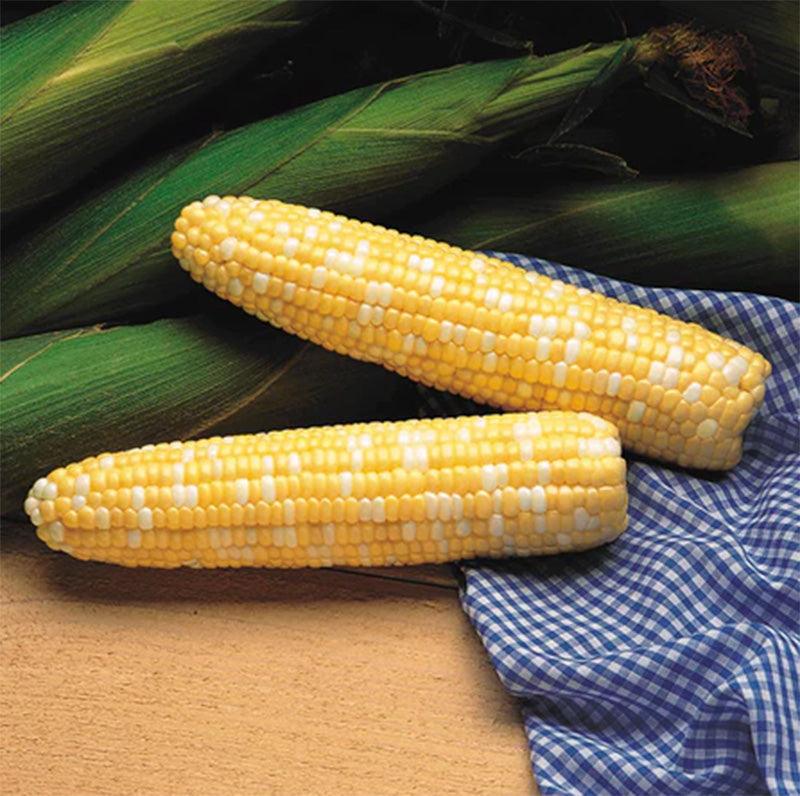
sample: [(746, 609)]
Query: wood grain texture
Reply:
[(213, 682)]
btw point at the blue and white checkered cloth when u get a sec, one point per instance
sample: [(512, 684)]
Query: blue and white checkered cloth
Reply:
[(668, 661)]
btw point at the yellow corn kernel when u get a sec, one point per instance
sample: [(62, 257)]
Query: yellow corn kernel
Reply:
[(471, 324), (365, 494)]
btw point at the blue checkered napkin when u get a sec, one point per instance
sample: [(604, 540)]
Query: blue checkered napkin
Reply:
[(667, 662)]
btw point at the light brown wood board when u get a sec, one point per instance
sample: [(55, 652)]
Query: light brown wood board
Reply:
[(120, 681)]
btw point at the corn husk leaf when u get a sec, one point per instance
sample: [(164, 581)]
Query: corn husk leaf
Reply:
[(83, 79), (499, 37), (378, 146), (613, 73), (736, 230), (67, 395), (366, 153), (577, 157)]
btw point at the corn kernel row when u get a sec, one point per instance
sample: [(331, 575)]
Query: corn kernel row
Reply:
[(376, 493), (477, 326)]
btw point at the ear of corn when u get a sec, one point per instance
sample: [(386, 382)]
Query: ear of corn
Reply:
[(133, 63), (369, 494), (65, 395), (477, 326), (383, 146), (735, 230)]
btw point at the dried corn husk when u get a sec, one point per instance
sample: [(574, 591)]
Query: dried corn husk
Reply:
[(772, 26)]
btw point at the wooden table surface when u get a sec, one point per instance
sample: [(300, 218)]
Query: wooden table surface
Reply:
[(120, 681)]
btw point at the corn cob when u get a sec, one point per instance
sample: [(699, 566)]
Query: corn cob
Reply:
[(364, 494), (477, 326)]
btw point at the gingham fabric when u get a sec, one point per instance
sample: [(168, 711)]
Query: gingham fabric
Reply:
[(667, 662)]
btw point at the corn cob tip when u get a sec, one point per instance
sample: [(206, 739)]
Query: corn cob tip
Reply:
[(366, 494), (477, 326)]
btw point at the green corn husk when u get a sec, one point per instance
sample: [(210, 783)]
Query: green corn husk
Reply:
[(67, 395), (772, 26), (735, 230), (82, 79), (377, 146), (366, 152)]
